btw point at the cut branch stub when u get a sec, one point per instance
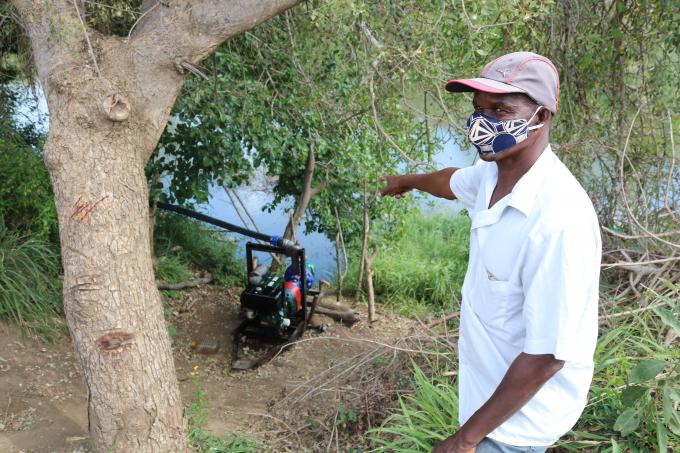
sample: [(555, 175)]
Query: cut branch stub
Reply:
[(116, 107)]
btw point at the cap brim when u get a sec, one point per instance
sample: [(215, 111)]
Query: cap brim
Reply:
[(481, 84)]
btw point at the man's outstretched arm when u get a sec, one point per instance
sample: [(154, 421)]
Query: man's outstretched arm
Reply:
[(524, 378), (436, 183)]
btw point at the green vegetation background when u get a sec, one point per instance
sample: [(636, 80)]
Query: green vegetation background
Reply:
[(619, 63)]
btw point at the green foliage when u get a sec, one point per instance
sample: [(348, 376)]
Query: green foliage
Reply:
[(424, 417), (636, 388), (15, 47), (30, 291), (180, 242), (296, 84), (345, 418), (424, 265), (26, 199), (638, 57), (201, 439)]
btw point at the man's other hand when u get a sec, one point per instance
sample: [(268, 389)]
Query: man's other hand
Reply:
[(454, 444), (394, 186)]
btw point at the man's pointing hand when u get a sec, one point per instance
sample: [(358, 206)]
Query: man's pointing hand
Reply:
[(394, 186)]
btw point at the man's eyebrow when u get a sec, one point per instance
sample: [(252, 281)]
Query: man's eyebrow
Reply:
[(504, 104)]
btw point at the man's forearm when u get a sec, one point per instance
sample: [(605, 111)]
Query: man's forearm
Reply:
[(436, 183), (524, 378)]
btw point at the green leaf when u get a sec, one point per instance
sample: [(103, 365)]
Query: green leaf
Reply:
[(631, 394), (670, 285), (670, 415), (627, 422), (615, 446), (668, 318), (661, 437), (646, 370)]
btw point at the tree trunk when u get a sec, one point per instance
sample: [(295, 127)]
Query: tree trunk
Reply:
[(152, 211), (369, 287), (364, 246), (112, 306), (340, 248), (109, 100), (338, 251)]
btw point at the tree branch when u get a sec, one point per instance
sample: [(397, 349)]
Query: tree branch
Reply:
[(55, 33), (193, 29), (307, 193)]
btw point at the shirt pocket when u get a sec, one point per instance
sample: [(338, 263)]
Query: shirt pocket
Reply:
[(499, 302)]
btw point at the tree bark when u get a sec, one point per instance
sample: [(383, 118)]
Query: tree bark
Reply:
[(340, 248), (308, 192), (369, 287), (364, 246), (109, 99), (338, 267)]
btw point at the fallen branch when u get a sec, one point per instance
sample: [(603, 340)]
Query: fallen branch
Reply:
[(640, 265), (347, 317), (160, 284), (436, 322), (639, 236)]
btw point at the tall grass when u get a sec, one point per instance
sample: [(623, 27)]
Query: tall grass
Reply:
[(171, 268), (424, 266), (181, 242), (424, 417), (30, 291)]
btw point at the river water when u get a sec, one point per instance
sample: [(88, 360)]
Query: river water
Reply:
[(320, 250)]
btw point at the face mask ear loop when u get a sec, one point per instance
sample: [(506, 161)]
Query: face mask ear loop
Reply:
[(531, 128)]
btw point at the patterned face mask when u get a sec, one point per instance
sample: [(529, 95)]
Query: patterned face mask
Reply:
[(491, 136)]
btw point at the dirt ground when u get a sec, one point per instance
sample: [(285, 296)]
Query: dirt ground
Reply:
[(42, 397)]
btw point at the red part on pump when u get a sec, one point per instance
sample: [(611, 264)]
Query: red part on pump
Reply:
[(294, 289)]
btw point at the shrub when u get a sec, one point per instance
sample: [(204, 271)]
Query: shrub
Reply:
[(26, 199)]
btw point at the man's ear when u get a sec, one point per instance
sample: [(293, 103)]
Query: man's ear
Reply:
[(544, 115)]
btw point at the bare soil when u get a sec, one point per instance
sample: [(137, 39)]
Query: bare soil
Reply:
[(42, 396)]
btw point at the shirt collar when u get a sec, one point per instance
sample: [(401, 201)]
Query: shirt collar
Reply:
[(523, 195)]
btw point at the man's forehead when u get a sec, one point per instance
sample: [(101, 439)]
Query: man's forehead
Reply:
[(517, 99)]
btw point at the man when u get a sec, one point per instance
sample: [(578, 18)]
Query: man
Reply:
[(528, 326)]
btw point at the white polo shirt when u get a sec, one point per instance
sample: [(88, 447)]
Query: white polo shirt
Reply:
[(531, 286)]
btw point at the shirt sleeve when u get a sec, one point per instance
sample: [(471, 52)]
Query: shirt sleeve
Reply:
[(561, 287), (465, 183)]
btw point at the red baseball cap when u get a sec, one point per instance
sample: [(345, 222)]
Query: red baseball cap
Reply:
[(517, 72)]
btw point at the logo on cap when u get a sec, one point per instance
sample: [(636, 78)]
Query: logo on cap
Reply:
[(503, 72)]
